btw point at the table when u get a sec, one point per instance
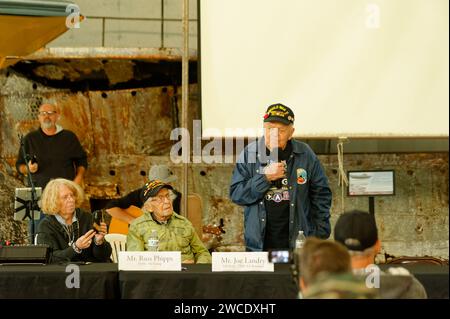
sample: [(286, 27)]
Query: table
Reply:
[(104, 281), (96, 281), (199, 282)]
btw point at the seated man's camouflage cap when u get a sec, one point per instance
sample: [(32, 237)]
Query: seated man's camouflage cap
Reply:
[(152, 188), (279, 113)]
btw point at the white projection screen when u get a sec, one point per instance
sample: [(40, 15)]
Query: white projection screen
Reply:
[(348, 68)]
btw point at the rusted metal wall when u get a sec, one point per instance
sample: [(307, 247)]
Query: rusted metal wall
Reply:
[(127, 131), (414, 222), (120, 130)]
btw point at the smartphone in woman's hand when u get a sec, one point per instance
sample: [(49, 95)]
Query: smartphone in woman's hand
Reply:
[(97, 219)]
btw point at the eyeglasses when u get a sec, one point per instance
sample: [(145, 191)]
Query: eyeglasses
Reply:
[(68, 196), (161, 198), (49, 113), (276, 130)]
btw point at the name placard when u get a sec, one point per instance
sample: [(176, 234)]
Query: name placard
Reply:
[(150, 260), (241, 261)]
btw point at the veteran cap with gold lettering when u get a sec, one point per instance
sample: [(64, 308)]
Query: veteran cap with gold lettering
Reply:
[(152, 188), (279, 113)]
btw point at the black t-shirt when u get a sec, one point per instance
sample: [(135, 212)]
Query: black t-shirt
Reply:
[(277, 202), (57, 155)]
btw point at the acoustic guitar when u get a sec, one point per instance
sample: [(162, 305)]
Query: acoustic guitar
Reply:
[(118, 226)]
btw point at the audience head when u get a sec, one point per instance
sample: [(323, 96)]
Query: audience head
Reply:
[(326, 273), (357, 230), (321, 257)]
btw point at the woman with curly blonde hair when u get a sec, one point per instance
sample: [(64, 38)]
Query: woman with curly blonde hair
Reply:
[(67, 229)]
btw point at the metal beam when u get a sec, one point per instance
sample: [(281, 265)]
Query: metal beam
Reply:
[(185, 102)]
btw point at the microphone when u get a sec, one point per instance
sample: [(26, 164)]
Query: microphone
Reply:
[(19, 131), (274, 157), (33, 240), (278, 183), (34, 159), (20, 135)]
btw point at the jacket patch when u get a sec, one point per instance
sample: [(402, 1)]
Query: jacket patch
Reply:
[(302, 176), (277, 196)]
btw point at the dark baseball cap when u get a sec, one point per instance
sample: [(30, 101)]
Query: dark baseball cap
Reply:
[(279, 113), (357, 230), (152, 188)]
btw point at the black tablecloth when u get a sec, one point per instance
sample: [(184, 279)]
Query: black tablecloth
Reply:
[(98, 281), (199, 282)]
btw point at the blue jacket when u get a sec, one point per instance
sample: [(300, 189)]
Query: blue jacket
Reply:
[(309, 193)]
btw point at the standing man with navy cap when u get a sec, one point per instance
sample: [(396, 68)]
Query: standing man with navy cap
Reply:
[(282, 186)]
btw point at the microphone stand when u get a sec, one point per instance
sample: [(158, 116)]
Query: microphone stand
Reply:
[(31, 204)]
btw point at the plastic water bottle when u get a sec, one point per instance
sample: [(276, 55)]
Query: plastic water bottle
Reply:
[(153, 241), (300, 241)]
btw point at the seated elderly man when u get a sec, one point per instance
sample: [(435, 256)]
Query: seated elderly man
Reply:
[(120, 208), (175, 232)]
